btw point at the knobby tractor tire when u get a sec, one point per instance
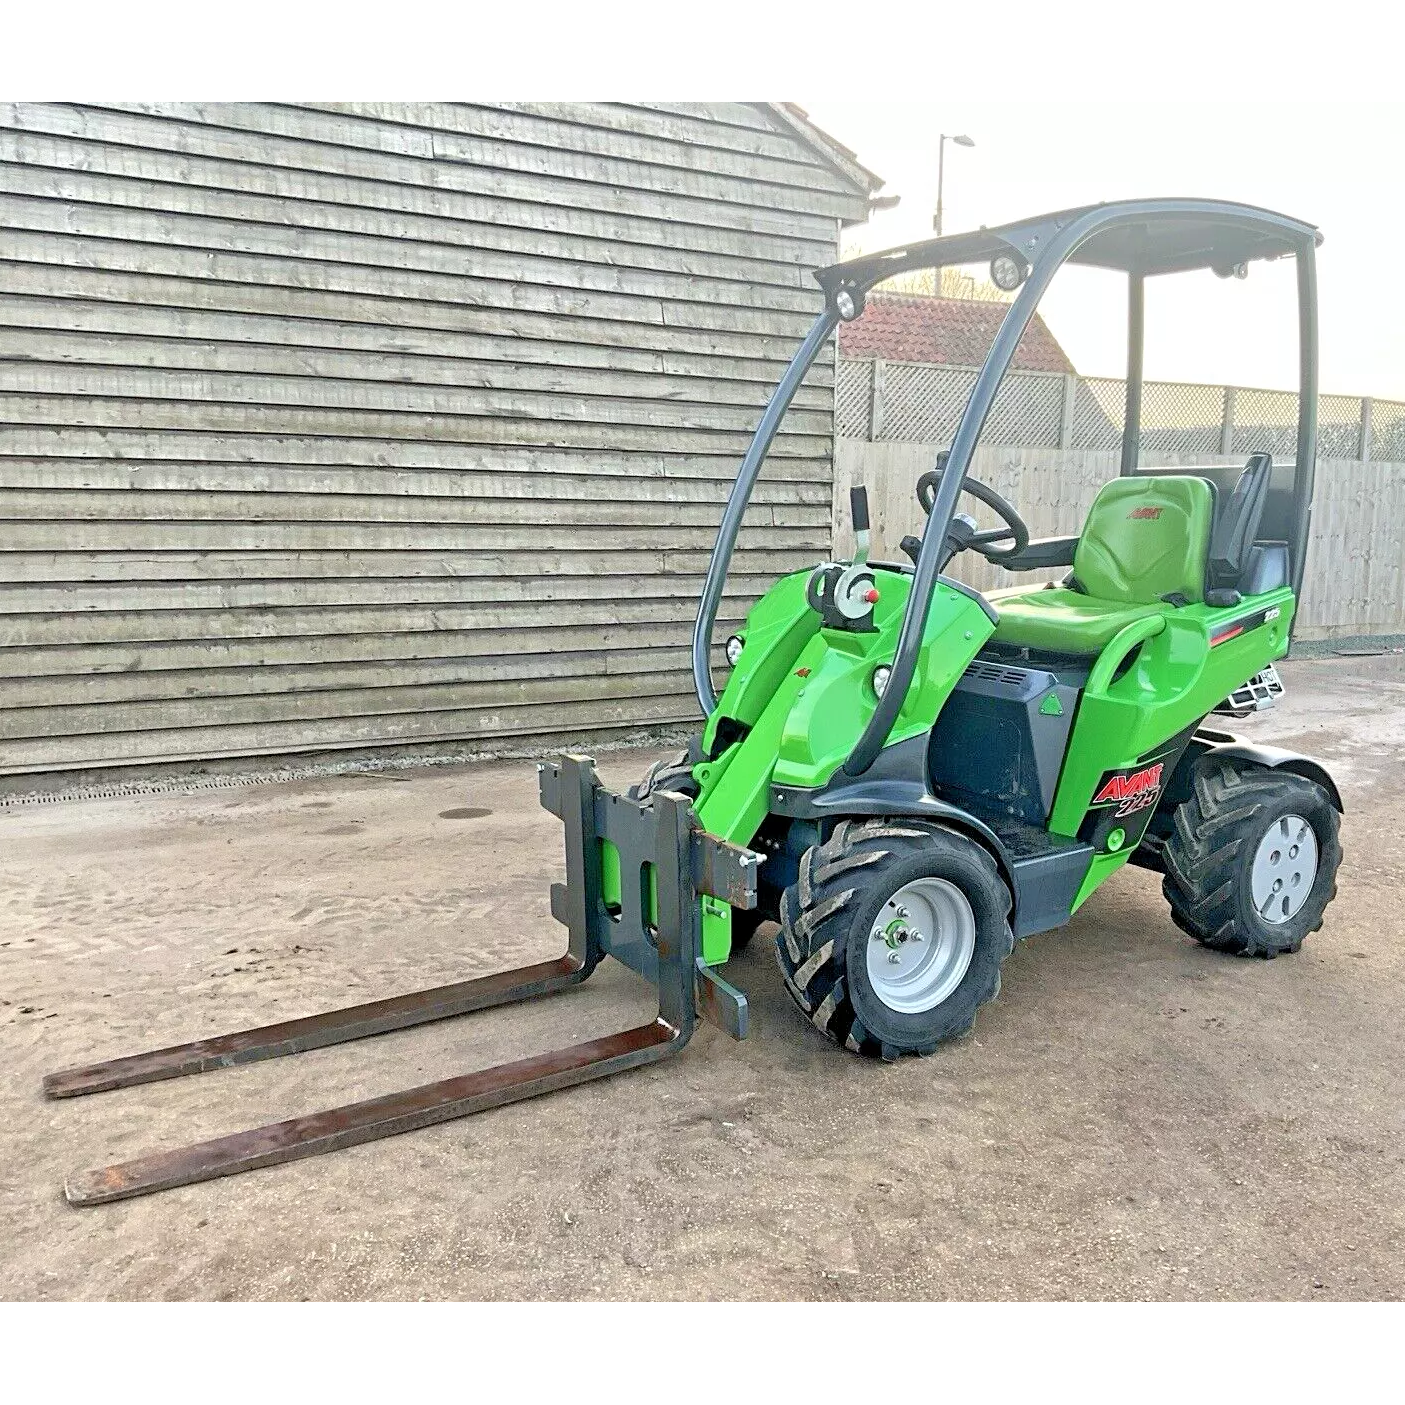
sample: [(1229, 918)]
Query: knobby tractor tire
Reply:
[(675, 773), (827, 918), (1209, 858)]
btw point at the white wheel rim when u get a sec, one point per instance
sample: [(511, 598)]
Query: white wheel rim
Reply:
[(920, 945), (1284, 869)]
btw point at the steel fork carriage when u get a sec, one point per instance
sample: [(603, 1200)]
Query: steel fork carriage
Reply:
[(667, 864)]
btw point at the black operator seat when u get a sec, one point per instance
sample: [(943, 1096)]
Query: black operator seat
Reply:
[(1238, 564)]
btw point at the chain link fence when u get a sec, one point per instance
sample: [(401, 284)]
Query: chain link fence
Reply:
[(919, 403)]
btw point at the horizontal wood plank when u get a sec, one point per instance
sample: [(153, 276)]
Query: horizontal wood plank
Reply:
[(127, 621), (611, 515), (240, 369), (542, 482), (203, 417), (46, 303), (59, 267), (476, 675), (527, 725), (378, 651)]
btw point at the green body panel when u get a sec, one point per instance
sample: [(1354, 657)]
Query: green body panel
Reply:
[(1146, 538), (779, 625), (1175, 680), (805, 694)]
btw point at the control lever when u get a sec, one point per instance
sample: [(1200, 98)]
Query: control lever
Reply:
[(858, 511), (844, 594)]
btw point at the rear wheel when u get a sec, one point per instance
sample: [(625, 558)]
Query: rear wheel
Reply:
[(893, 935), (1252, 862)]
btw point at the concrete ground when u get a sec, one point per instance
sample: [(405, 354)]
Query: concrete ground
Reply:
[(1134, 1118)]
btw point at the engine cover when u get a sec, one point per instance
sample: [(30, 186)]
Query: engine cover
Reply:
[(999, 742)]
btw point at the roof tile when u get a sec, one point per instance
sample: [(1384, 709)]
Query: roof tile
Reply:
[(944, 332)]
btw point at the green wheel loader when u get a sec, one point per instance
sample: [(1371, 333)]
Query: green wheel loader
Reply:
[(904, 774)]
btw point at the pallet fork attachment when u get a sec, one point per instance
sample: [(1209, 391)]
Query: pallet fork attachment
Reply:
[(664, 946)]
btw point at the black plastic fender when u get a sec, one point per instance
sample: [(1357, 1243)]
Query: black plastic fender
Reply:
[(1209, 741), (1043, 872)]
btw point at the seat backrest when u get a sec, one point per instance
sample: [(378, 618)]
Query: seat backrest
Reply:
[(1146, 539), (1275, 525), (1238, 526)]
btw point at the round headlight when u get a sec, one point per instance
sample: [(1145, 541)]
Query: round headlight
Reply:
[(847, 304), (880, 678), (734, 649), (1007, 272)]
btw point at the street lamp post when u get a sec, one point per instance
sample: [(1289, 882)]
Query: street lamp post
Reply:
[(962, 140)]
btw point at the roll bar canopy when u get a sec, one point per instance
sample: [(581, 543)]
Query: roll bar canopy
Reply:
[(1141, 238)]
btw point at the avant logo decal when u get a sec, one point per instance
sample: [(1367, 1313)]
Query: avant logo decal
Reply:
[(1132, 792), (1144, 513)]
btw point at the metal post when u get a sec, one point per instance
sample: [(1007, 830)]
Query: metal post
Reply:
[(1066, 410), (1305, 467), (937, 223), (1136, 338), (1363, 444), (1227, 422), (875, 401)]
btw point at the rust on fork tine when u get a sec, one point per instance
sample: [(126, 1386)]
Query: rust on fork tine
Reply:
[(387, 1116), (317, 1031)]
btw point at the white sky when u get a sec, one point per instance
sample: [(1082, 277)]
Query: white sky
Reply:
[(1336, 165)]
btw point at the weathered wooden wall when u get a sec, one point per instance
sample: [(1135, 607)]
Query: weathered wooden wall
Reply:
[(1355, 582), (348, 425)]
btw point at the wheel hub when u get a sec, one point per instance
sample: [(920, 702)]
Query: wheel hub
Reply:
[(920, 945), (1284, 869)]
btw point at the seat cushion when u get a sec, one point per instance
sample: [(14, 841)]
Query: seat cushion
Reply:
[(1145, 538), (1063, 621)]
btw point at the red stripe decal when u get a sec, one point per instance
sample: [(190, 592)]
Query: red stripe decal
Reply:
[(1227, 635)]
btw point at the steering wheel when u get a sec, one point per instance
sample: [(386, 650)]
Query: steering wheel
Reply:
[(983, 542)]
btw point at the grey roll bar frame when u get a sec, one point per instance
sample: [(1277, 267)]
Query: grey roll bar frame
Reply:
[(1140, 237), (740, 495)]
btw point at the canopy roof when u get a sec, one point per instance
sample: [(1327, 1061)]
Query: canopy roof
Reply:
[(1136, 236)]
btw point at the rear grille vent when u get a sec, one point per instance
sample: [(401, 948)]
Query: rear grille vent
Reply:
[(998, 673)]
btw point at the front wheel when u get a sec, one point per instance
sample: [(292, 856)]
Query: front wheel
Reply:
[(1252, 862), (893, 935)]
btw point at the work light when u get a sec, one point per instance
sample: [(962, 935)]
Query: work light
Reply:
[(734, 649), (1007, 272), (847, 305)]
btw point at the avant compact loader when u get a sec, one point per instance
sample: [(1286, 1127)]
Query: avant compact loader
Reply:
[(907, 775)]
